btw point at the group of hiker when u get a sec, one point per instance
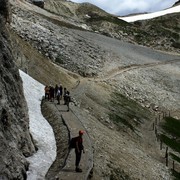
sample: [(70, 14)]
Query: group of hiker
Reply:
[(57, 92)]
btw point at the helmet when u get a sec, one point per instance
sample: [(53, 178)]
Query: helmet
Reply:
[(81, 132)]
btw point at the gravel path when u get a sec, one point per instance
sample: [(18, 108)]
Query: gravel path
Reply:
[(63, 168), (51, 113)]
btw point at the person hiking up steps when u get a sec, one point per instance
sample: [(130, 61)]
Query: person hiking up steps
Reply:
[(56, 90), (78, 150), (61, 91), (64, 95), (67, 99), (51, 91), (46, 89), (58, 94)]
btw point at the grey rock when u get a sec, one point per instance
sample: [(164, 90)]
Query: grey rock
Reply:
[(16, 142)]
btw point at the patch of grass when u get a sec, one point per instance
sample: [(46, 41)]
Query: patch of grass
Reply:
[(126, 112), (176, 175), (112, 19), (117, 174), (119, 120), (172, 126), (172, 143), (171, 138), (176, 158)]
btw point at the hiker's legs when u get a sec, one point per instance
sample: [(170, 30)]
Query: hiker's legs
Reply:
[(67, 103), (64, 100), (58, 99), (78, 158), (52, 97)]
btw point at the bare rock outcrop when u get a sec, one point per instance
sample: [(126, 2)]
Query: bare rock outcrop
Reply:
[(16, 141)]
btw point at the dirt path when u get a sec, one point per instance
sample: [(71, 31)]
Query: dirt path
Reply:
[(73, 124), (115, 72), (86, 163)]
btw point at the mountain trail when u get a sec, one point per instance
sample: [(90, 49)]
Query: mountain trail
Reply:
[(64, 166), (115, 72)]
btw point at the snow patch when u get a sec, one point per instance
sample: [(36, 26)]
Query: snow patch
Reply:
[(175, 9), (40, 129)]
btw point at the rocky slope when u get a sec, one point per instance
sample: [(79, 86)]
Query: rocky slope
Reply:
[(89, 54), (16, 142), (164, 37)]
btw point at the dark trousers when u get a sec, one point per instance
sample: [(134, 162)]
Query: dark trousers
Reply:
[(47, 96), (58, 99), (78, 157), (67, 103)]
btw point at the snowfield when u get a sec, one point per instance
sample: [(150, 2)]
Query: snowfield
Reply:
[(40, 129), (175, 9)]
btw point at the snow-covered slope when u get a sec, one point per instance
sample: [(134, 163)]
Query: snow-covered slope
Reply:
[(39, 128), (175, 9)]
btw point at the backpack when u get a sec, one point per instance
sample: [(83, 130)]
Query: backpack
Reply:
[(72, 143), (68, 98), (58, 93)]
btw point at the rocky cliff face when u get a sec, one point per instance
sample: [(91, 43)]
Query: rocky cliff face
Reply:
[(16, 142)]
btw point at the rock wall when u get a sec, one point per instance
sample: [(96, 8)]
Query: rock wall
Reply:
[(16, 141)]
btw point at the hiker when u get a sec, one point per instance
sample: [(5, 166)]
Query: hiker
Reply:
[(78, 150), (64, 95), (56, 90), (67, 99), (61, 91), (58, 94), (46, 89), (51, 92)]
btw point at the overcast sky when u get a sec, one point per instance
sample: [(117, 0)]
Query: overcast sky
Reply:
[(124, 7)]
